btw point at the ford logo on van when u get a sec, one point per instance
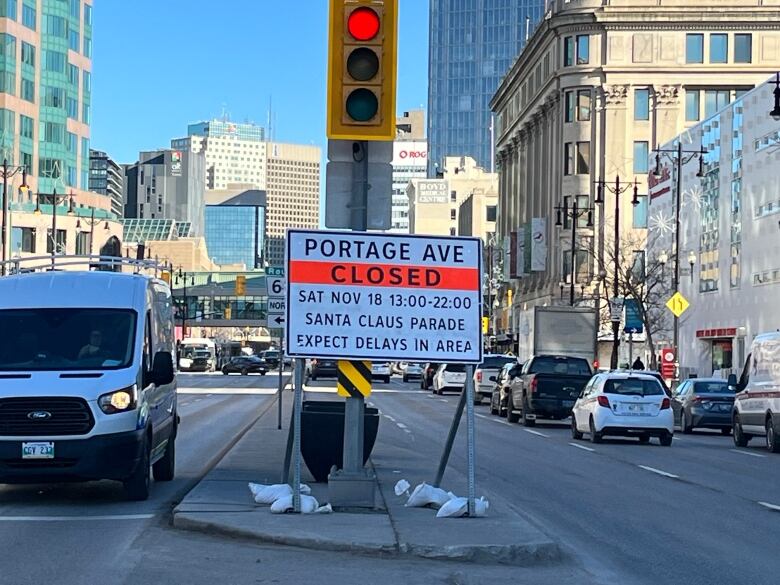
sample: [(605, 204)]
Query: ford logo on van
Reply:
[(39, 415)]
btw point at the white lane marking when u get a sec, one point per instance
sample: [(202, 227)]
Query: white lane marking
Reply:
[(226, 391), (770, 506), (747, 453), (401, 426), (444, 400), (583, 447), (76, 518), (494, 419), (537, 433), (659, 472), (388, 417)]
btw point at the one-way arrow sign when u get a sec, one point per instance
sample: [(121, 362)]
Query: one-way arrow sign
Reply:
[(277, 321)]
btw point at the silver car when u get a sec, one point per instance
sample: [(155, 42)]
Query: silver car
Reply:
[(489, 368), (413, 371)]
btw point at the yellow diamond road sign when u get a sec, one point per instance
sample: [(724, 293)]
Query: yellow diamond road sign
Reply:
[(678, 304)]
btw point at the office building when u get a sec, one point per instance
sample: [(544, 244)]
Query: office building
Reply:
[(434, 204), (107, 178), (472, 46), (597, 86), (729, 239), (477, 214), (235, 227), (410, 161), (167, 185)]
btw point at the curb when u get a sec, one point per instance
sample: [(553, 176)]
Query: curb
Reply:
[(521, 555)]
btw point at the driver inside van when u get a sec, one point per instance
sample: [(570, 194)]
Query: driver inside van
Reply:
[(95, 346)]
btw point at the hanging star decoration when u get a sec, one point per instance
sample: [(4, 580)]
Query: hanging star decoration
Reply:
[(662, 223), (694, 197)]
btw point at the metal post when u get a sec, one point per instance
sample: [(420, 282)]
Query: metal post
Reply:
[(469, 392), (53, 228), (445, 457), (616, 290), (631, 349), (281, 386), (573, 249), (677, 207), (6, 210), (185, 310), (92, 232), (298, 404)]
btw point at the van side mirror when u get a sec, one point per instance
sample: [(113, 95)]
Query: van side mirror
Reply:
[(732, 381), (162, 369)]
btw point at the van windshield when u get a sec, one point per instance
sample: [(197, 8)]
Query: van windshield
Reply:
[(66, 339)]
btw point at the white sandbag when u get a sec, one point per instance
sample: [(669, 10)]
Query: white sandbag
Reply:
[(427, 495), (402, 487), (326, 509), (309, 505), (268, 494), (459, 507)]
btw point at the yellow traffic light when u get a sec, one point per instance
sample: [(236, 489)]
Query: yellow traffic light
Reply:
[(362, 71), (166, 277), (228, 313), (240, 285)]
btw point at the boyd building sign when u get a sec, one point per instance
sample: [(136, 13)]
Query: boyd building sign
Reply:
[(365, 296)]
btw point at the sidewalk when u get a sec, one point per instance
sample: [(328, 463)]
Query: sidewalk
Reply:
[(222, 504)]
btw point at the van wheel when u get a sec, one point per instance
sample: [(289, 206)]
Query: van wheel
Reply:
[(137, 486), (740, 438), (165, 468), (772, 440)]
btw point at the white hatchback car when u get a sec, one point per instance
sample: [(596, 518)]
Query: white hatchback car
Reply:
[(625, 405), (450, 377)]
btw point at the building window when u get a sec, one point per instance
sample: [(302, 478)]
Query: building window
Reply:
[(491, 213), (73, 75), (641, 157), (87, 47), (719, 48), (29, 15), (568, 51), (453, 214), (583, 158), (52, 132), (74, 40), (72, 107), (82, 244), (70, 176), (85, 113), (28, 90), (26, 126), (87, 79), (692, 107), (72, 143), (640, 213), (581, 269), (568, 158), (28, 54), (715, 100), (642, 104), (452, 231), (27, 162), (52, 97), (743, 48), (49, 168), (583, 49), (55, 26), (87, 15), (694, 48), (54, 61), (453, 195), (75, 9), (583, 105), (8, 8), (23, 240), (569, 106)]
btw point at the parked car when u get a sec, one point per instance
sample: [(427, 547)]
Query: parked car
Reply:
[(381, 371), (624, 405), (489, 368), (429, 371), (413, 371), (704, 403), (757, 403), (271, 357), (245, 365), (449, 377), (398, 367), (547, 387), (322, 369), (501, 385)]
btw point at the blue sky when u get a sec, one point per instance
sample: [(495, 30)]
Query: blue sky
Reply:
[(161, 64)]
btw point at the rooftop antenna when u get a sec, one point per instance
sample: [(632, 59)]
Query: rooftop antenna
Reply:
[(270, 118), (225, 115)]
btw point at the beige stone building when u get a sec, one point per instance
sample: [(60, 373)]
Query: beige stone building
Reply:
[(596, 87), (434, 204), (477, 214)]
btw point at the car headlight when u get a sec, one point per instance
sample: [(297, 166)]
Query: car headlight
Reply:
[(120, 401)]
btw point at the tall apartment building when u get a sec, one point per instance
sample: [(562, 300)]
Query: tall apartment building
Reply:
[(472, 46), (107, 178), (410, 161), (238, 156), (597, 87), (167, 185)]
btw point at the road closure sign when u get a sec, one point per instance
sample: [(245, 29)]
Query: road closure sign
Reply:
[(366, 296)]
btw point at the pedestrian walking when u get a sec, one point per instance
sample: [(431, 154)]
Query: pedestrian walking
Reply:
[(638, 364)]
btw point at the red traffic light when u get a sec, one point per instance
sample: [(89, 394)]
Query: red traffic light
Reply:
[(363, 24)]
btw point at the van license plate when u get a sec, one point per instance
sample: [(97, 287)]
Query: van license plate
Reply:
[(37, 450)]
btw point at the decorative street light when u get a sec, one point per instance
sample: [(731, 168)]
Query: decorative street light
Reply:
[(692, 261), (55, 199), (8, 173), (574, 214)]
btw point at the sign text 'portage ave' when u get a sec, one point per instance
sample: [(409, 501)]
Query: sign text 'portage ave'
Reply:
[(364, 296)]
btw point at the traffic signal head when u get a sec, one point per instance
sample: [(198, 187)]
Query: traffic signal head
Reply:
[(362, 69), (240, 285)]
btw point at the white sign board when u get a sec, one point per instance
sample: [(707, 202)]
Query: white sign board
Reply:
[(616, 309), (277, 306), (379, 297), (276, 286)]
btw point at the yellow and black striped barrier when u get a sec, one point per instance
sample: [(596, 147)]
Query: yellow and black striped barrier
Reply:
[(354, 379)]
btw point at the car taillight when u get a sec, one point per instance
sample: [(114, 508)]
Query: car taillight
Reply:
[(603, 401), (666, 404), (479, 376), (534, 385)]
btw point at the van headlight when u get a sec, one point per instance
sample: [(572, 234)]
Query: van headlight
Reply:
[(120, 401)]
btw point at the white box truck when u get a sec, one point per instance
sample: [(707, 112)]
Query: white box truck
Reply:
[(562, 331)]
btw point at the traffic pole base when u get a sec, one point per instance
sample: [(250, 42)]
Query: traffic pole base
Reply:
[(352, 490)]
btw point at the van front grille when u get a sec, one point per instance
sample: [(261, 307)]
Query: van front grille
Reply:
[(44, 417)]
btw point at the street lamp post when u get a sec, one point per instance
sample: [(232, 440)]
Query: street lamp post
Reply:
[(8, 173), (183, 277), (54, 200), (574, 214), (617, 191), (680, 158), (92, 222)]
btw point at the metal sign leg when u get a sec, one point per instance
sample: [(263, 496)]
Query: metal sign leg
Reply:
[(297, 435), (469, 392), (281, 385), (445, 457)]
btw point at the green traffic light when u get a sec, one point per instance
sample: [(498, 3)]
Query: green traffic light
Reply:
[(363, 64), (362, 105)]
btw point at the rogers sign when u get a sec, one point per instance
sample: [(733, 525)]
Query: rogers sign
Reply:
[(404, 154), (410, 154)]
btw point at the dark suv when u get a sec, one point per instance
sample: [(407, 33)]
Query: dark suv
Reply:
[(244, 365), (322, 369)]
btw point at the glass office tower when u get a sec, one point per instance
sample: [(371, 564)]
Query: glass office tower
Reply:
[(472, 45)]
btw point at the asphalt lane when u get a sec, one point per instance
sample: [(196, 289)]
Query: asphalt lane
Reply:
[(697, 512), (87, 533)]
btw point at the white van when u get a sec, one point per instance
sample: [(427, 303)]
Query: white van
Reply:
[(87, 380), (757, 403)]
